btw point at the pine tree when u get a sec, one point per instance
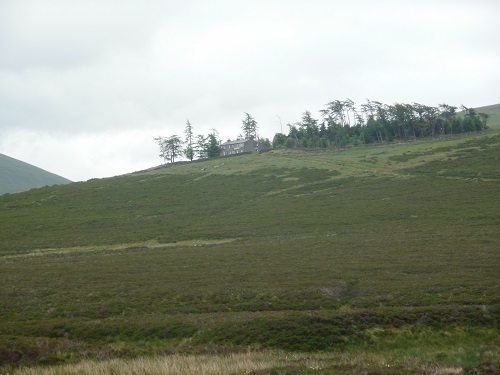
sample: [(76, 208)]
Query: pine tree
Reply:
[(189, 151), (249, 127)]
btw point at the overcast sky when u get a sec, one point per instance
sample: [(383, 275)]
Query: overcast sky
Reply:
[(85, 85)]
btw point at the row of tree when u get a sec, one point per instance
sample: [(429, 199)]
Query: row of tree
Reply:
[(174, 147), (342, 123), (203, 146)]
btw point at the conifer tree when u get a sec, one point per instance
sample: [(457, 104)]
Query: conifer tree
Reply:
[(249, 127), (189, 151)]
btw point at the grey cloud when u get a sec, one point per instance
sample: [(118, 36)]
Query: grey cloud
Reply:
[(64, 34), (82, 68)]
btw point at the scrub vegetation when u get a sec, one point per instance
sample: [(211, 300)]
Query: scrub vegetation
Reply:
[(380, 259)]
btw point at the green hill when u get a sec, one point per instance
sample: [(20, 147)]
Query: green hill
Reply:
[(365, 259), (494, 112), (19, 176)]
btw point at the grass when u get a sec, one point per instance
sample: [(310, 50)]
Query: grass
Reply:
[(405, 351), (369, 253), (494, 112)]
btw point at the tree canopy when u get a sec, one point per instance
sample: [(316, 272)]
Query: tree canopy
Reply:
[(342, 123)]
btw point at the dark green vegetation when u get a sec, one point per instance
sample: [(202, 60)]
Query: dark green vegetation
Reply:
[(343, 124), (16, 176), (339, 250), (493, 111)]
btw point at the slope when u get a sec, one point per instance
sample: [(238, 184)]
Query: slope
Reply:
[(494, 112), (19, 176), (335, 250)]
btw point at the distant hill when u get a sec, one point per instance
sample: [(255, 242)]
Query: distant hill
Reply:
[(494, 112), (17, 176)]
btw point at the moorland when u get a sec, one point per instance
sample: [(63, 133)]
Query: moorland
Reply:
[(380, 259)]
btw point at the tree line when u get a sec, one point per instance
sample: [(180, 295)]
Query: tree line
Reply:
[(342, 123), (174, 147), (201, 146)]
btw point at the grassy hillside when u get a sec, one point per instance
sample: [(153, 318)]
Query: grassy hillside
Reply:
[(494, 112), (376, 254), (20, 176)]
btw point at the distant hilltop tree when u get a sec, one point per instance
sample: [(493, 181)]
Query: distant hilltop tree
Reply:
[(188, 132), (171, 148), (249, 127), (213, 148)]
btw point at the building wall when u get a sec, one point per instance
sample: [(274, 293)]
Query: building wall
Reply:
[(249, 145), (233, 148)]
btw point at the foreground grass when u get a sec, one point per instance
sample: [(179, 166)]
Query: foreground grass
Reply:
[(392, 352), (250, 363), (359, 252)]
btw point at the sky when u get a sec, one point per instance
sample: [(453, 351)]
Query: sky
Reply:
[(86, 85)]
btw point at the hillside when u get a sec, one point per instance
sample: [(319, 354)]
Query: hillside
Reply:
[(363, 259), (494, 112), (19, 176)]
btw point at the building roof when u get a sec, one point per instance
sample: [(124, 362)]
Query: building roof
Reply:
[(235, 142)]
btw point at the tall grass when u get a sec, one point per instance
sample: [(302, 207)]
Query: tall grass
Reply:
[(176, 364), (408, 359)]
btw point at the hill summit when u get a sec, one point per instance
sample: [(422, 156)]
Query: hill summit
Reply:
[(17, 176)]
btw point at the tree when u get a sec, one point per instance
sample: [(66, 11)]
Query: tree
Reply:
[(163, 149), (335, 112), (349, 107), (188, 132), (213, 145), (382, 114), (174, 146), (472, 121), (368, 110), (170, 148), (309, 125), (484, 119), (401, 117), (279, 140), (264, 142), (249, 127), (447, 113), (421, 124), (201, 146)]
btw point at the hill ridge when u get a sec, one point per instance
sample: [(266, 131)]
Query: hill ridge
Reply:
[(493, 111), (19, 176)]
